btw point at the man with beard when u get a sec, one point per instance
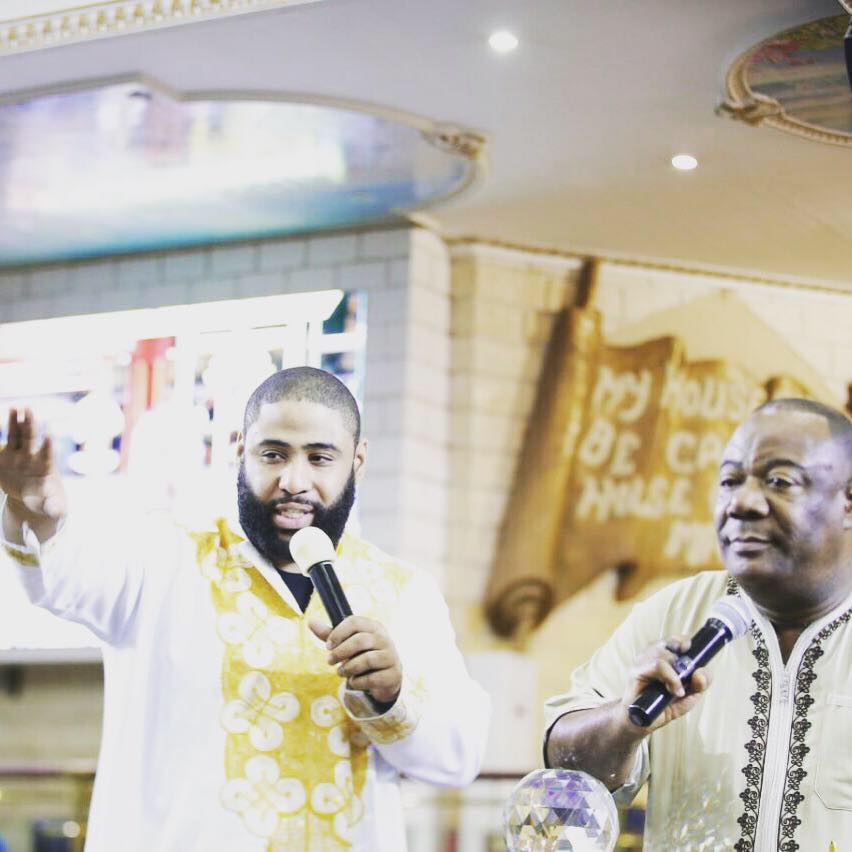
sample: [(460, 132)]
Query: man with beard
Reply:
[(760, 760), (235, 717)]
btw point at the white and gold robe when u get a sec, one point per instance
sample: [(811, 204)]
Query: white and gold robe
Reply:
[(224, 726), (763, 762)]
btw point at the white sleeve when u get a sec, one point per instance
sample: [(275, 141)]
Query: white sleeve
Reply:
[(437, 729), (601, 681), (84, 573)]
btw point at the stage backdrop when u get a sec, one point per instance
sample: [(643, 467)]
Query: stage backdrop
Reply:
[(619, 466)]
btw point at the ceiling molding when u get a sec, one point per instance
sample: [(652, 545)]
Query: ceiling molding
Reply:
[(468, 245), (757, 108), (63, 23)]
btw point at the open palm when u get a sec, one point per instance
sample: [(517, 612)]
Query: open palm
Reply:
[(28, 474)]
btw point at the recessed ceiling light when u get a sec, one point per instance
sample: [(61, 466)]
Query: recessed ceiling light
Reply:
[(503, 41), (684, 162)]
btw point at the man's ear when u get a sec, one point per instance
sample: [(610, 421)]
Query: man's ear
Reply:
[(241, 446), (360, 460)]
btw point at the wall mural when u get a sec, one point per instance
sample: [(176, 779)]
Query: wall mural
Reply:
[(796, 81), (619, 470), (127, 166)]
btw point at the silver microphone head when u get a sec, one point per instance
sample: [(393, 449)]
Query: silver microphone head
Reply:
[(311, 545), (733, 612)]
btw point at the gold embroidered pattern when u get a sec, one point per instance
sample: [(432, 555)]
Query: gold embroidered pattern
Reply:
[(28, 560), (398, 722), (295, 762)]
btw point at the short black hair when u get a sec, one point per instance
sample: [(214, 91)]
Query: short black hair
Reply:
[(839, 424), (307, 384)]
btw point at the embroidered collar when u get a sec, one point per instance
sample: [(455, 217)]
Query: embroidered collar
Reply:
[(756, 747)]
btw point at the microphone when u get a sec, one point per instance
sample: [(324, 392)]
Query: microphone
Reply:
[(728, 619), (314, 555)]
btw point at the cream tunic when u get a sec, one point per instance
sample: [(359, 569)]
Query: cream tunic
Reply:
[(764, 761), (224, 726)]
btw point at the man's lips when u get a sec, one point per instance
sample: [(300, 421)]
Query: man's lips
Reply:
[(292, 516), (746, 543)]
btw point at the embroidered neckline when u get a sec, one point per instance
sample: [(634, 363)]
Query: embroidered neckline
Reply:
[(759, 725), (801, 725)]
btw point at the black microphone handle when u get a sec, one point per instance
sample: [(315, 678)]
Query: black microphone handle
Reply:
[(654, 698), (331, 594)]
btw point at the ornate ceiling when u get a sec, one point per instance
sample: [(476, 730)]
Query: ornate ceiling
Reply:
[(796, 81), (582, 120), (31, 24)]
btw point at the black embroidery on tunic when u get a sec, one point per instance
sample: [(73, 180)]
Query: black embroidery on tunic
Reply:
[(798, 750), (756, 746)]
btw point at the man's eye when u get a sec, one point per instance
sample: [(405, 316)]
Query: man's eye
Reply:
[(270, 455), (728, 482), (321, 459), (781, 482)]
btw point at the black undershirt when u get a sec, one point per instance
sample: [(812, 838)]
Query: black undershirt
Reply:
[(299, 585)]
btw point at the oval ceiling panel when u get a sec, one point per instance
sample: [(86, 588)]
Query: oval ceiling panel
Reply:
[(126, 166), (796, 81)]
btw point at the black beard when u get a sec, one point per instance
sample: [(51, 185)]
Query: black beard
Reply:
[(256, 519)]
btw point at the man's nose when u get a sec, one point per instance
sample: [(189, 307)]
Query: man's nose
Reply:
[(294, 478), (748, 500)]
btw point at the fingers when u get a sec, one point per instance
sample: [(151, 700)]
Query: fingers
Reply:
[(22, 435), (369, 661), (699, 681), (26, 432), (356, 644), (45, 452), (351, 626), (320, 629), (12, 429), (678, 644), (658, 669), (383, 685), (656, 663), (366, 657)]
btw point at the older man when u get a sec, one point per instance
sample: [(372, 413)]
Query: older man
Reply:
[(235, 718), (761, 759)]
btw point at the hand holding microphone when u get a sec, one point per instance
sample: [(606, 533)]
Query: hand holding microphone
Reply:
[(663, 675), (362, 647)]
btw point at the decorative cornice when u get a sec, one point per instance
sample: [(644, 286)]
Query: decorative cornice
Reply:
[(70, 23), (469, 244)]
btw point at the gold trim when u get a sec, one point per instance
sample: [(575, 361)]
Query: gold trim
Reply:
[(756, 109), (660, 265), (28, 560), (102, 20), (456, 140)]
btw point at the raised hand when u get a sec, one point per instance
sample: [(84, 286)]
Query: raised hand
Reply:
[(30, 480)]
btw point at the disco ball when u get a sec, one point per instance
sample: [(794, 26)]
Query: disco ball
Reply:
[(560, 810)]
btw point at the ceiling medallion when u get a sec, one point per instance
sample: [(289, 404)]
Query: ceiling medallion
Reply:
[(125, 165), (62, 22), (796, 81)]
